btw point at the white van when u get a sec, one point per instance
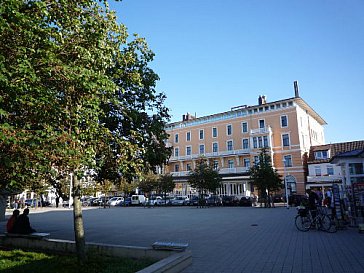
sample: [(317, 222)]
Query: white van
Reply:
[(137, 199)]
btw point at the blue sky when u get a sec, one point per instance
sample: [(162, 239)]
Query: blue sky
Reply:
[(217, 54)]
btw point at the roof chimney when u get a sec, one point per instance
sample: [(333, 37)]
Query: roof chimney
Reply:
[(260, 100), (296, 93)]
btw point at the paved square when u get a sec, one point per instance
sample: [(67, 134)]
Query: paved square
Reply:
[(226, 239)]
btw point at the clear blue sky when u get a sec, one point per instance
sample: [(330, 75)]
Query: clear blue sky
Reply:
[(213, 55)]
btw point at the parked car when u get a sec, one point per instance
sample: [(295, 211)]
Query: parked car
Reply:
[(180, 201), (214, 200), (155, 201), (102, 201), (278, 198), (230, 200), (246, 201), (115, 201), (126, 202), (137, 199), (296, 199), (194, 200), (36, 203)]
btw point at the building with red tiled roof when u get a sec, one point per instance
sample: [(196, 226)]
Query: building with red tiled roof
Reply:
[(324, 167)]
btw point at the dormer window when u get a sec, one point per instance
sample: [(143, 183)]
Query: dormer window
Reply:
[(322, 154)]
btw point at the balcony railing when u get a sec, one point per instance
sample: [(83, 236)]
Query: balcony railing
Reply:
[(264, 130), (209, 155), (221, 171), (323, 178)]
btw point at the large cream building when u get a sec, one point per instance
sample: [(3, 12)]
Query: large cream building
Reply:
[(231, 141)]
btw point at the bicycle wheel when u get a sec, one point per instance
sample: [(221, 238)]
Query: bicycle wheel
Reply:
[(333, 225), (302, 223), (325, 223)]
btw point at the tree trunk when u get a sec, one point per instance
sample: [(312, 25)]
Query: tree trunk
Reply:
[(2, 206), (78, 222)]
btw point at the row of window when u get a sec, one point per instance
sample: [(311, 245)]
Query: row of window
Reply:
[(231, 163), (258, 142), (229, 129)]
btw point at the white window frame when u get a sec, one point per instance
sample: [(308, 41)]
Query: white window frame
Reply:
[(176, 151), (190, 153), (212, 133), (281, 120), (227, 129), (232, 145), (188, 134), (203, 134), (259, 123), (242, 143), (242, 127), (199, 149), (176, 138), (288, 161), (217, 147), (289, 140)]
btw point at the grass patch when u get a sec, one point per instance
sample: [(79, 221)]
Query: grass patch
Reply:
[(18, 261)]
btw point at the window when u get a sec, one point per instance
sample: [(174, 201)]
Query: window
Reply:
[(285, 140), (176, 151), (245, 143), (244, 127), (261, 123), (214, 132), (317, 170), (188, 167), (229, 130), (188, 150), (201, 134), (265, 141), (284, 121), (216, 164), (215, 147), (356, 168), (330, 170), (288, 161), (247, 162), (321, 154), (230, 145), (260, 142), (230, 163), (256, 159), (202, 149), (255, 142), (176, 168), (176, 138), (188, 136)]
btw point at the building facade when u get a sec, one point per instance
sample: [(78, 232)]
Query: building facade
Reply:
[(231, 141)]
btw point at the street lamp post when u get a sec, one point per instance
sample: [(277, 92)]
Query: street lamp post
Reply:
[(285, 182)]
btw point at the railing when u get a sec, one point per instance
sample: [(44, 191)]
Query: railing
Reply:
[(210, 155), (323, 178), (221, 171), (264, 130)]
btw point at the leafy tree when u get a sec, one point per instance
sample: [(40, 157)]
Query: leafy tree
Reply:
[(74, 95), (204, 178), (165, 185), (148, 183), (263, 176)]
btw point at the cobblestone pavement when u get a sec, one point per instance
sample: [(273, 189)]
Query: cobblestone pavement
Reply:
[(236, 239)]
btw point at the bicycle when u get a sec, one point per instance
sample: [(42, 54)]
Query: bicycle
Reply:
[(304, 220)]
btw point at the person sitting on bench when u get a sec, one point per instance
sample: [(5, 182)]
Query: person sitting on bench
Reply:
[(22, 224), (11, 221)]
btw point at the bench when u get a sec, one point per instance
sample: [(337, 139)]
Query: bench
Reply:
[(34, 235), (169, 246)]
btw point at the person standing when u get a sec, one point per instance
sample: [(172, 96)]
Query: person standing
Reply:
[(22, 224), (11, 221)]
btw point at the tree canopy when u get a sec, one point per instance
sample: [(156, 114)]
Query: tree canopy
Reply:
[(204, 178), (76, 93), (263, 176)]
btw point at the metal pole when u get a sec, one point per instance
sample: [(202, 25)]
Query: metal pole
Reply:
[(285, 183), (69, 199)]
